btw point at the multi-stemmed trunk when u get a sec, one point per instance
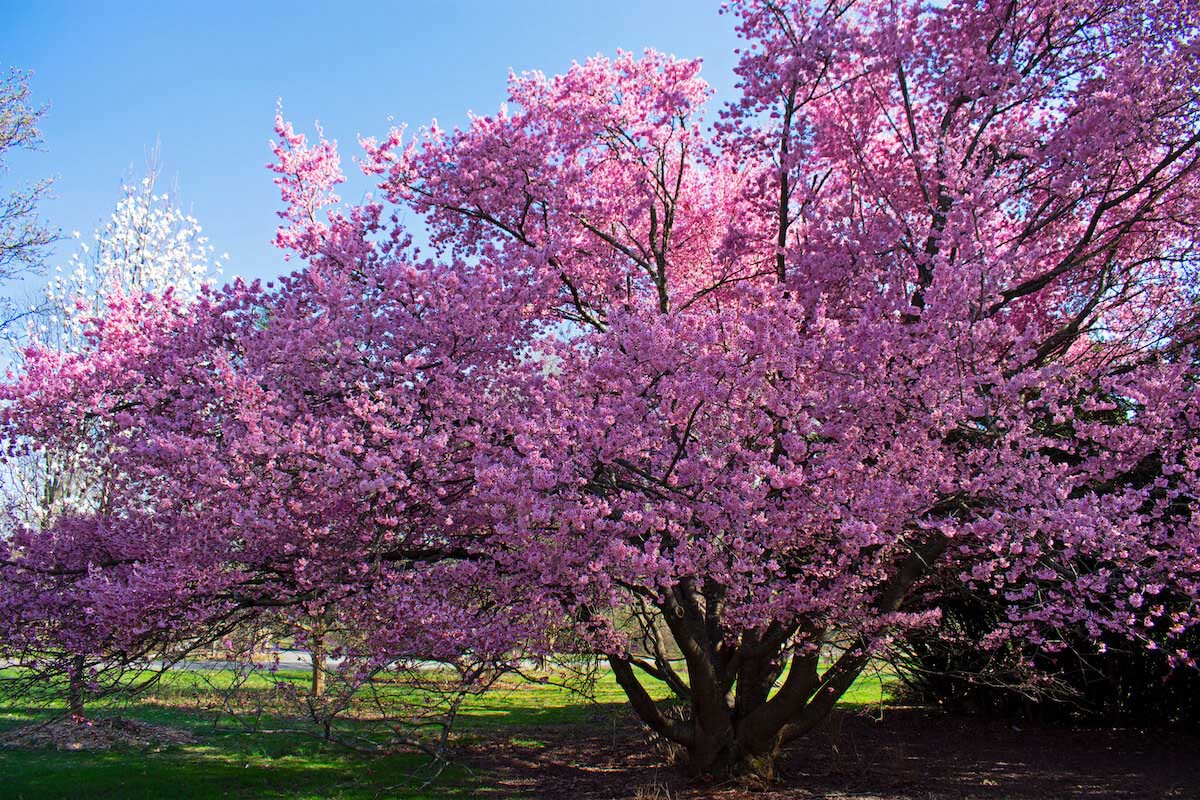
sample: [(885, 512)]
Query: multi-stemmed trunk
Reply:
[(738, 711), (746, 696)]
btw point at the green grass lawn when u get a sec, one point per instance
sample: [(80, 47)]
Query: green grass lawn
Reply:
[(227, 761)]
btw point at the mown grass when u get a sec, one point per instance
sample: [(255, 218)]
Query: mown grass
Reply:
[(282, 760)]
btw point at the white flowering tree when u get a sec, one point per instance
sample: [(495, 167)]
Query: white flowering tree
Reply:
[(148, 244)]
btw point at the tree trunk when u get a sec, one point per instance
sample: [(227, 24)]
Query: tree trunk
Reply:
[(76, 689), (741, 714), (738, 728), (722, 756), (317, 653)]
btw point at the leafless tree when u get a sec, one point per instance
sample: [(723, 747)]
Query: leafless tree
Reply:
[(23, 235)]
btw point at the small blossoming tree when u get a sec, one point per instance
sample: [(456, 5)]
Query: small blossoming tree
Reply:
[(148, 245)]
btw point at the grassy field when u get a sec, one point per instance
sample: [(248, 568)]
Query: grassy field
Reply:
[(283, 760)]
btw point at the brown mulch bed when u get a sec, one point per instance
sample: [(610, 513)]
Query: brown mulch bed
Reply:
[(903, 754), (105, 733)]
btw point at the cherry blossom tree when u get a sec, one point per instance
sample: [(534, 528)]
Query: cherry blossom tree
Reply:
[(923, 308), (147, 245), (734, 399), (272, 398)]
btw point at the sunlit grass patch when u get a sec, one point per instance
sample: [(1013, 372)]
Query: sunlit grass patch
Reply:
[(286, 758)]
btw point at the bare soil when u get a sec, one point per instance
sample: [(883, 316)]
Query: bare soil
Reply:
[(105, 733), (899, 754)]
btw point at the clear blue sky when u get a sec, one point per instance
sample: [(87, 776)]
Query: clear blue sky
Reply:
[(202, 79)]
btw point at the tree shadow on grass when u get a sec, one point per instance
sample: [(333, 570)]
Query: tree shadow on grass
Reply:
[(899, 754), (913, 752)]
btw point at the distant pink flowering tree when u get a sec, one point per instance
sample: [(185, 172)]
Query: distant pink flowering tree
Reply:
[(732, 399)]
